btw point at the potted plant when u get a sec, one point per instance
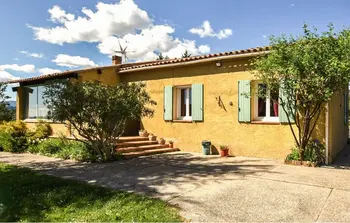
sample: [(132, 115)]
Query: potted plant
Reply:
[(224, 150), (152, 137), (171, 144), (143, 133), (161, 141)]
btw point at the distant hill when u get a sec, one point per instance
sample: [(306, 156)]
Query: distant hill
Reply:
[(12, 104)]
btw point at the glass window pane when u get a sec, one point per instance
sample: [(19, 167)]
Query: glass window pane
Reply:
[(261, 100), (42, 109), (32, 102), (183, 102), (274, 104)]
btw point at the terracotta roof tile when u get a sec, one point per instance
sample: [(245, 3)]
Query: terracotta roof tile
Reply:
[(131, 66), (193, 58)]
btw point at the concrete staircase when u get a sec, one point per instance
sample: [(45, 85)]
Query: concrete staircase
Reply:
[(135, 146)]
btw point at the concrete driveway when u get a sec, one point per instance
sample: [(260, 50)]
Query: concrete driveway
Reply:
[(216, 189)]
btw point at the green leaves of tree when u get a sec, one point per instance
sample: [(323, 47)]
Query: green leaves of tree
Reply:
[(98, 112), (310, 69)]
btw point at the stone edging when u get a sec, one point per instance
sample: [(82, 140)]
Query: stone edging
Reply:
[(301, 163)]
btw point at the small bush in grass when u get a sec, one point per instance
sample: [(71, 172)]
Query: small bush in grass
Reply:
[(13, 136)]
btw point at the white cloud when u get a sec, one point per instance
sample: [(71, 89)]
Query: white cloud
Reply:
[(27, 68), (73, 61), (35, 55), (47, 70), (292, 5), (265, 36), (108, 23), (16, 58), (60, 16), (205, 30), (143, 46), (6, 76), (109, 19)]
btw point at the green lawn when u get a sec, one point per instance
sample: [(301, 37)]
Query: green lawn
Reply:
[(29, 196)]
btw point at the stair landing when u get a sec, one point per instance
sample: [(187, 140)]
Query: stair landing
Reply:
[(135, 146)]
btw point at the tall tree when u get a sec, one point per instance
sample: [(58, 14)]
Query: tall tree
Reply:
[(6, 113), (309, 70), (97, 112), (186, 54), (160, 57)]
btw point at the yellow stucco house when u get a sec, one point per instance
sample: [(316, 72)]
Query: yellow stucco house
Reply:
[(200, 98)]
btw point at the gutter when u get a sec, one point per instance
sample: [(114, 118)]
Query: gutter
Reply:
[(199, 61)]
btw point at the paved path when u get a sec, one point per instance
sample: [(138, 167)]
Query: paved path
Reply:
[(217, 189)]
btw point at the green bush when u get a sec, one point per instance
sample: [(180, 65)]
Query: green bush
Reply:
[(42, 130), (62, 148), (13, 136), (294, 155), (314, 152)]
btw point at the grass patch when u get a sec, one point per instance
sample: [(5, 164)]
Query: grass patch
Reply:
[(29, 196)]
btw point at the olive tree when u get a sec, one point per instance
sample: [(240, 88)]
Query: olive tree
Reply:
[(97, 112), (309, 69)]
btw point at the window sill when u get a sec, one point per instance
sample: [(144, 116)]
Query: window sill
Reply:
[(265, 122), (182, 121), (38, 120)]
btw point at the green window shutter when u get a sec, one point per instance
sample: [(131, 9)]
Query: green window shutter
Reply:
[(168, 103), (346, 108), (244, 101), (197, 102), (283, 116)]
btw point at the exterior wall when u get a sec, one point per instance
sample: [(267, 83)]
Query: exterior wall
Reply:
[(58, 129), (107, 76), (338, 130), (220, 124)]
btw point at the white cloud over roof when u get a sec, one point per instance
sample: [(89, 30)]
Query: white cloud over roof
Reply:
[(110, 24), (205, 30)]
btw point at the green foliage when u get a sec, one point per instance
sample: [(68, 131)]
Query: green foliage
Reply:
[(42, 130), (62, 148), (186, 54), (294, 155), (97, 112), (224, 147), (13, 136), (6, 113), (314, 152), (309, 70), (27, 196), (161, 57)]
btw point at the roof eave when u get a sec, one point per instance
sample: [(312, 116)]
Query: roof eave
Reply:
[(205, 60)]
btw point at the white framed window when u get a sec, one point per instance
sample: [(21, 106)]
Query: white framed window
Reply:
[(184, 103), (266, 106)]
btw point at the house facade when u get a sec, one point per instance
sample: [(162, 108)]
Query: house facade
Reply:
[(203, 98)]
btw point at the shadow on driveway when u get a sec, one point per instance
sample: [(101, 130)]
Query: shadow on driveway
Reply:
[(165, 176)]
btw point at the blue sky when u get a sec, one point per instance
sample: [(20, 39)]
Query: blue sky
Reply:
[(165, 26)]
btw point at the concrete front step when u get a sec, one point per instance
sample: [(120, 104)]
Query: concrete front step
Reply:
[(135, 144), (149, 152), (132, 138), (141, 148)]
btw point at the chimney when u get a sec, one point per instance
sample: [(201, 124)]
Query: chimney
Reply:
[(116, 60)]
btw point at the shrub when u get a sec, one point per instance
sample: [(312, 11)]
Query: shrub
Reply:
[(42, 130), (314, 152), (62, 148), (13, 136)]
